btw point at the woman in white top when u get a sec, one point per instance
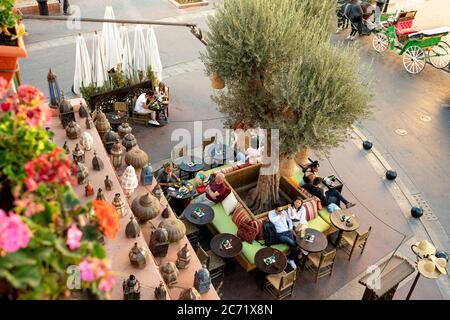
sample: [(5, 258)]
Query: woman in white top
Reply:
[(297, 213)]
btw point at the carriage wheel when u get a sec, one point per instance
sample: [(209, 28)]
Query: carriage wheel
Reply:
[(414, 59), (380, 42), (439, 55)]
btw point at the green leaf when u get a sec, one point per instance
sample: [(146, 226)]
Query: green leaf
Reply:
[(16, 259), (98, 251), (61, 247), (90, 233), (70, 200)]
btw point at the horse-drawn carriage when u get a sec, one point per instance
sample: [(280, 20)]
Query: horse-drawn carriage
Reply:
[(416, 46)]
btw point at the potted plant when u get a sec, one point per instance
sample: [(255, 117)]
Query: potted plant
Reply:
[(11, 43)]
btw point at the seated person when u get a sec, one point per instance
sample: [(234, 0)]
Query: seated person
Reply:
[(326, 198), (201, 181), (283, 225), (143, 106), (311, 172), (215, 192), (166, 177), (297, 213), (162, 93)]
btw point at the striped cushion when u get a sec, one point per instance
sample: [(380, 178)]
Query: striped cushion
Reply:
[(257, 224), (311, 209), (240, 215)]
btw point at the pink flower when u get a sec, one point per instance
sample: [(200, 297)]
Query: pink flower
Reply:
[(27, 205), (87, 270), (14, 233), (5, 106), (107, 284), (73, 237)]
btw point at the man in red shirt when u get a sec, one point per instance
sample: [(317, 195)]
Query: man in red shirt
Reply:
[(215, 192)]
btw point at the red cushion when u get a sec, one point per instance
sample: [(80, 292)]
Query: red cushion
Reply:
[(240, 215), (201, 189), (257, 224), (247, 232), (311, 209)]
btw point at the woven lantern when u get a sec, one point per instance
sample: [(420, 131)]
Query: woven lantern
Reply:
[(86, 141), (159, 242), (160, 292), (109, 138), (145, 207), (166, 213), (136, 158), (129, 141), (129, 181), (89, 122), (78, 154), (190, 294), (117, 154), (169, 272), (124, 129), (108, 184), (132, 229), (175, 229), (97, 163), (102, 124), (66, 112), (73, 130), (119, 204), (202, 280), (100, 195), (89, 189), (82, 173), (138, 256), (183, 257)]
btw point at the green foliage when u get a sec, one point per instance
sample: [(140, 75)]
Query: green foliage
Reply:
[(151, 76), (7, 17), (282, 71)]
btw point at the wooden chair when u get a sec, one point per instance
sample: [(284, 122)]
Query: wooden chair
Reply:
[(321, 264), (214, 263), (351, 240), (138, 117), (281, 285), (192, 233)]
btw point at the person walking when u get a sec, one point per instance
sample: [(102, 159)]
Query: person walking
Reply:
[(66, 7), (356, 16), (379, 7)]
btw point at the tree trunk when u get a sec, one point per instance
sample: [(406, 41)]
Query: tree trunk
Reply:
[(302, 157)]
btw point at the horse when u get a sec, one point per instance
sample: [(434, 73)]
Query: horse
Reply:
[(344, 16)]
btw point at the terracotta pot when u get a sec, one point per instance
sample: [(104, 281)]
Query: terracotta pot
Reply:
[(302, 157), (217, 82), (287, 167), (9, 56)]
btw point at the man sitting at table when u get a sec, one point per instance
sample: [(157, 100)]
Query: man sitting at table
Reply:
[(283, 225), (326, 198), (215, 192), (166, 177), (144, 106)]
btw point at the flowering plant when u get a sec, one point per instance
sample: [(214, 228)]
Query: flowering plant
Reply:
[(45, 230)]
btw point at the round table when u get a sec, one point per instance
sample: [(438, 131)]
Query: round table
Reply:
[(116, 119), (319, 244), (335, 218), (276, 267), (181, 196), (191, 170), (217, 245), (190, 216)]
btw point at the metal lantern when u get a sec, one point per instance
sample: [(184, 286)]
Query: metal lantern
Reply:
[(66, 112), (138, 256), (132, 229), (108, 184), (86, 141), (82, 173), (73, 130), (53, 89), (129, 141), (183, 257), (100, 195), (131, 288), (89, 122), (145, 207), (159, 242), (89, 189), (147, 175), (97, 163), (160, 292), (83, 112), (202, 280), (119, 204), (169, 272), (109, 138), (176, 229), (124, 129), (129, 181), (136, 158), (102, 124), (117, 154), (190, 294), (66, 147), (78, 154)]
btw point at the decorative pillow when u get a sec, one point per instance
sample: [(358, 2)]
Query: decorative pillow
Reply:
[(201, 189), (247, 232), (229, 203), (257, 224), (309, 195), (240, 215), (311, 209)]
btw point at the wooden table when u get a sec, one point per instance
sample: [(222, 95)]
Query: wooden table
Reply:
[(116, 119), (335, 218), (319, 244), (188, 213), (278, 266), (333, 183), (199, 165), (218, 248)]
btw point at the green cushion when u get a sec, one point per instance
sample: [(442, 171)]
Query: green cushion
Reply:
[(325, 215), (318, 224), (223, 223), (298, 174)]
